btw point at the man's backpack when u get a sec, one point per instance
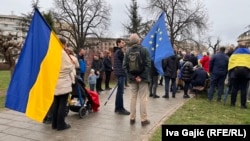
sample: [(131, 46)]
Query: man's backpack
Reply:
[(135, 61)]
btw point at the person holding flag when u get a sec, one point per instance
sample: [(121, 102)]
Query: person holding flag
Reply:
[(45, 67), (63, 88), (159, 46), (158, 43)]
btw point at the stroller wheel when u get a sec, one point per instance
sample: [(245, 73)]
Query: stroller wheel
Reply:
[(82, 112), (89, 107)]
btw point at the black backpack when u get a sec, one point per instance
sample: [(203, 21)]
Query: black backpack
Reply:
[(135, 61)]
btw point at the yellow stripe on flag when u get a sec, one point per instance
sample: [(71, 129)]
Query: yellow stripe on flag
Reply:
[(42, 93), (239, 60)]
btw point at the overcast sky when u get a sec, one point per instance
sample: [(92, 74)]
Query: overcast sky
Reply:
[(227, 18)]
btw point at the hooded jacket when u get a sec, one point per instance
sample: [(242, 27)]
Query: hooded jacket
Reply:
[(170, 66)]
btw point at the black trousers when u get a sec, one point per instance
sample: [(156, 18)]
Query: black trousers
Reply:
[(59, 105), (186, 86), (99, 84), (107, 79), (239, 84)]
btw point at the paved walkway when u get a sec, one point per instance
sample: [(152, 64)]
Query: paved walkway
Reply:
[(104, 125)]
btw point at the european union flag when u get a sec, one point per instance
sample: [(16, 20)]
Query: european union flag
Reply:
[(158, 43)]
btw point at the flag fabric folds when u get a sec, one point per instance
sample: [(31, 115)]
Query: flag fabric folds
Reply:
[(240, 57), (32, 86), (158, 43)]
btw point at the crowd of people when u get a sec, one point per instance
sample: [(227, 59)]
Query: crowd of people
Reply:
[(182, 71)]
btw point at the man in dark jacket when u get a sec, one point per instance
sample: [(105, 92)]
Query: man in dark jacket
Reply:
[(199, 77), (193, 58), (97, 65), (108, 68), (153, 84), (218, 71), (119, 72), (170, 66)]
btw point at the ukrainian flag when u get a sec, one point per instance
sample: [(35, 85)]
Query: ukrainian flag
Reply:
[(240, 57), (32, 86)]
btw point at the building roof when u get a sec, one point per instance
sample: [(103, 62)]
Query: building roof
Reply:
[(244, 37)]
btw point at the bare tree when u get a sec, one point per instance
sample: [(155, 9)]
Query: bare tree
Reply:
[(81, 18), (26, 17), (185, 19), (215, 45), (134, 26)]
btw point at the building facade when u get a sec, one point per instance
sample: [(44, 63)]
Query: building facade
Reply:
[(11, 24), (245, 37)]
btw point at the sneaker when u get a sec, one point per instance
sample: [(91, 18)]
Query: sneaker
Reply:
[(132, 121), (144, 123), (151, 95), (218, 100), (67, 126), (186, 96), (47, 121), (165, 96), (123, 112), (156, 96), (243, 107)]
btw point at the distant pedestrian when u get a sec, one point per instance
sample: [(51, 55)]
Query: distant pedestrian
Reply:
[(153, 84), (186, 74), (239, 73), (82, 63), (199, 76), (92, 79), (97, 65), (218, 71), (108, 68), (170, 67), (204, 61)]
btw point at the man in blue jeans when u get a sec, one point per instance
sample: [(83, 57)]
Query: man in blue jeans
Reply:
[(218, 71), (120, 74)]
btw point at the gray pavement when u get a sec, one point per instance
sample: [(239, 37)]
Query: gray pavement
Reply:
[(103, 125)]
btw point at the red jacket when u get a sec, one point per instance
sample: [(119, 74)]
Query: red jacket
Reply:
[(205, 63)]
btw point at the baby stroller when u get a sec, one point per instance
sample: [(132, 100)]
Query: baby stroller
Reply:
[(79, 101)]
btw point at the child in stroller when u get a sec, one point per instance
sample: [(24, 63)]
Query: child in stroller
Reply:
[(80, 100)]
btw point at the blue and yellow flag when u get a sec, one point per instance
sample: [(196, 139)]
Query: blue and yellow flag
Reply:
[(240, 57), (158, 43), (32, 86)]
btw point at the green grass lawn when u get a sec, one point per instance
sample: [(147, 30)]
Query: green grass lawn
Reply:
[(200, 111), (4, 82), (4, 79)]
